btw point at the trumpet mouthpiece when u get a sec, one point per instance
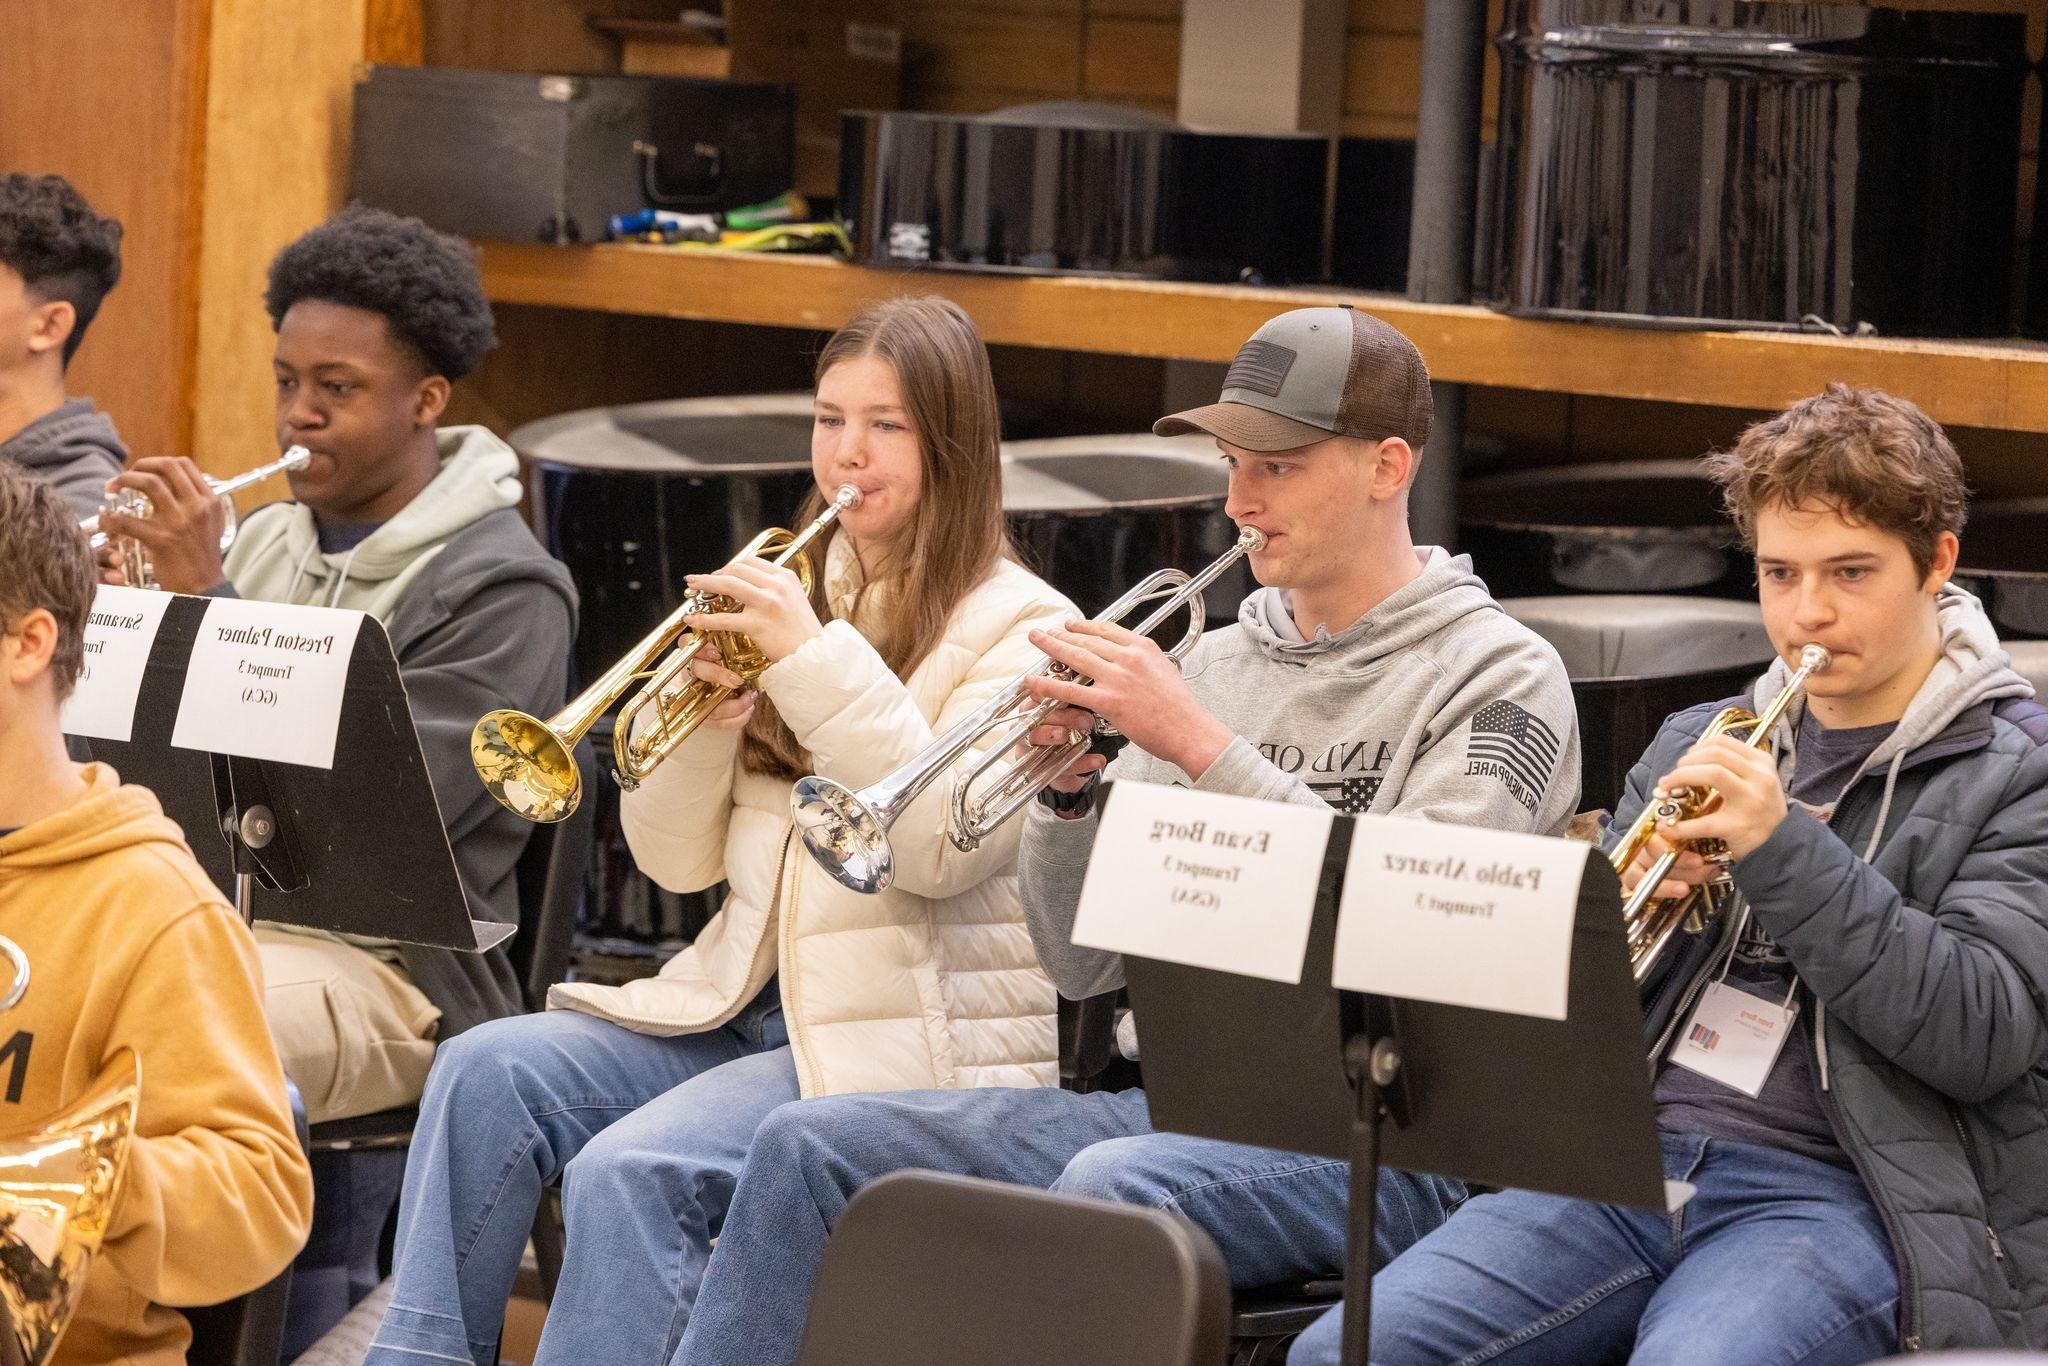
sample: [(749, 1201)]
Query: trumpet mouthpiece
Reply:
[(1814, 658)]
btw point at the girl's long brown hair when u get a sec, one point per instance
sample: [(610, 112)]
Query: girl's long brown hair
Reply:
[(956, 534)]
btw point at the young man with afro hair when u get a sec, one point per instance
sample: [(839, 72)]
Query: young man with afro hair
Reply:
[(419, 526), (58, 260)]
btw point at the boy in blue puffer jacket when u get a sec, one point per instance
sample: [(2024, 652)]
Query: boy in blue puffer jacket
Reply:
[(1849, 1059)]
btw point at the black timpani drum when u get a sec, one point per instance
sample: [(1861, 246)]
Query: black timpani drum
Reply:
[(2005, 562), (1071, 188), (1095, 514), (1635, 659), (1637, 526), (1714, 163)]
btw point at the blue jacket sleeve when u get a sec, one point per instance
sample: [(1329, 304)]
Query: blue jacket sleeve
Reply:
[(1955, 993)]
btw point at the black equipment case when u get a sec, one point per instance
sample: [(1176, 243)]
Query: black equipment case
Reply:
[(552, 158)]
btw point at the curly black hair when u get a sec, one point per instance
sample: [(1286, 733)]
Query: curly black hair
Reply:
[(52, 239), (424, 282)]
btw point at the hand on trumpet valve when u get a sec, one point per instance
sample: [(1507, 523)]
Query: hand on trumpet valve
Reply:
[(1689, 872), (735, 711), (1128, 681), (1750, 800), (1059, 728), (106, 555), (774, 611), (182, 531)]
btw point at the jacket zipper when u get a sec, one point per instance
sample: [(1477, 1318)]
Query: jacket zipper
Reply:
[(1955, 1117), (1909, 1279)]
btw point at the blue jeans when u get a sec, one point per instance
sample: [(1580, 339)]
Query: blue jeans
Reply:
[(1778, 1259), (647, 1136), (1275, 1216)]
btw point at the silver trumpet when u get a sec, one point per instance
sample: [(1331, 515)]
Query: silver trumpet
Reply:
[(136, 570), (847, 832)]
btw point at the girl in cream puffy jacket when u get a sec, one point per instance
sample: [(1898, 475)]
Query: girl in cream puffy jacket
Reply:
[(642, 1099), (931, 983)]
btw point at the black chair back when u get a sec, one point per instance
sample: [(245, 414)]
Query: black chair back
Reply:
[(925, 1269)]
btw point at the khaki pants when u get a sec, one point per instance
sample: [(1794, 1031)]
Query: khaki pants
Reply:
[(354, 1033)]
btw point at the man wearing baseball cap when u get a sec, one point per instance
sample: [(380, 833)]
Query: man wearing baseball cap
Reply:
[(1366, 674)]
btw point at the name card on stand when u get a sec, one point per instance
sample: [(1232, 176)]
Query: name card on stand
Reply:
[(266, 681), (1206, 880), (118, 637), (1459, 915)]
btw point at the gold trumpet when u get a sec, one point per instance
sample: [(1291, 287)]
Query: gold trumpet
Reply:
[(847, 832), (529, 764), (136, 570), (58, 1183), (1653, 920)]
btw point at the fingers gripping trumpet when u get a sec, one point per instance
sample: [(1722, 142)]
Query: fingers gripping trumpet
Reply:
[(1653, 920), (529, 764), (136, 570)]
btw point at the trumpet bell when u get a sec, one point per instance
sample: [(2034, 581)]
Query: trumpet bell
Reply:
[(843, 833), (526, 765), (57, 1188)]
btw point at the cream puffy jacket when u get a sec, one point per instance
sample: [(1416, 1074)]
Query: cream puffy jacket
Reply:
[(932, 983)]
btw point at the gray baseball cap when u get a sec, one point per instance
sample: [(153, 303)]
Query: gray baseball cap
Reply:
[(1312, 374)]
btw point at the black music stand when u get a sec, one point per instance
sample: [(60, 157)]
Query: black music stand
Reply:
[(1496, 1099), (358, 848)]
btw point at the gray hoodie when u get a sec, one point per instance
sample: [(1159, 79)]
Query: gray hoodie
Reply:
[(1435, 704), (75, 449)]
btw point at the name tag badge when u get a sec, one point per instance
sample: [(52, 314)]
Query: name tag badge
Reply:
[(266, 681), (1734, 1037)]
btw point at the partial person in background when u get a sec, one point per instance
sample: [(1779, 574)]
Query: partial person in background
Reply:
[(58, 261)]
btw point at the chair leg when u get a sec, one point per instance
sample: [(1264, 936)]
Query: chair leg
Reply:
[(549, 1239)]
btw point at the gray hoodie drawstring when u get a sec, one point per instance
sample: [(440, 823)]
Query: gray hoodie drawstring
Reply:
[(341, 579), (1884, 810), (300, 572)]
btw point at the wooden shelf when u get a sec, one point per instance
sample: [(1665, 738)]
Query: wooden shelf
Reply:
[(2001, 384)]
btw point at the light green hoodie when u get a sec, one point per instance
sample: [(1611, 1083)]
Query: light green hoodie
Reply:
[(277, 557)]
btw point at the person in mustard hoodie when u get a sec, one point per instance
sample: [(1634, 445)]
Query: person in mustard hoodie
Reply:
[(129, 946)]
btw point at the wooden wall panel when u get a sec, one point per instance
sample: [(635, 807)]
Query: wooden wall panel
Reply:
[(1135, 61), (529, 35), (992, 51), (120, 116), (261, 191)]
